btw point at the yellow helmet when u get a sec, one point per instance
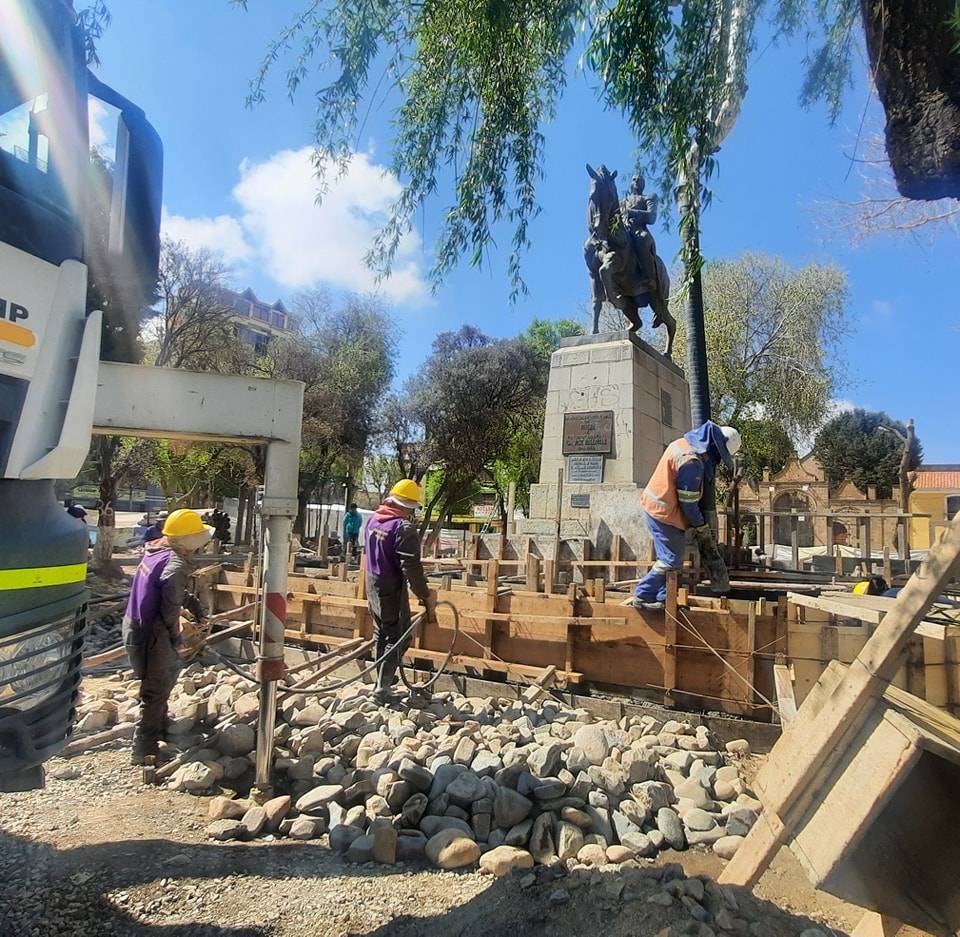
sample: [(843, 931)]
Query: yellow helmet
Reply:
[(861, 588), (183, 522), (408, 490)]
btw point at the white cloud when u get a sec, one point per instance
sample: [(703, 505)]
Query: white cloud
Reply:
[(882, 309), (297, 242), (222, 235), (302, 242)]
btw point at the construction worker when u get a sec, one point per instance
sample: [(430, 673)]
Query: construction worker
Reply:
[(672, 503), (393, 565), (151, 623)]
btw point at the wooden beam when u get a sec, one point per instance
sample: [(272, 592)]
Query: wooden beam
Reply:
[(803, 755), (670, 641), (539, 685), (786, 701), (868, 608)]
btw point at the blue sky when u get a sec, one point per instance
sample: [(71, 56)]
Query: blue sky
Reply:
[(239, 181)]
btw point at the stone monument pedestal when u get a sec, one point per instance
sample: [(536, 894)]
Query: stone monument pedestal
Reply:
[(613, 405)]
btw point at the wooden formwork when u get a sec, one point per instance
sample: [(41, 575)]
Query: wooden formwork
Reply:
[(751, 657), (700, 654), (836, 626)]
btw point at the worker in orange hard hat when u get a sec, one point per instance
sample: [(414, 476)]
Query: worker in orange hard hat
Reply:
[(151, 623), (393, 565)]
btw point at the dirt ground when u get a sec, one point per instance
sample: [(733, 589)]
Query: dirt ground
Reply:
[(98, 852)]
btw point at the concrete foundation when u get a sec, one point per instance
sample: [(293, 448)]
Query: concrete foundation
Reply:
[(613, 405)]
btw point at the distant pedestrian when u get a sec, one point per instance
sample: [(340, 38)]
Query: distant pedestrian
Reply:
[(352, 522), (151, 623), (155, 530), (393, 565), (221, 525), (77, 511)]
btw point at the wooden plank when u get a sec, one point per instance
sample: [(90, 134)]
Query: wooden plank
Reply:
[(751, 644), (540, 685), (874, 924), (533, 572), (802, 753), (670, 641), (836, 605), (867, 608), (786, 703), (334, 661)]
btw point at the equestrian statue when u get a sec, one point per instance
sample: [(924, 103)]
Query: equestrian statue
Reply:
[(621, 255)]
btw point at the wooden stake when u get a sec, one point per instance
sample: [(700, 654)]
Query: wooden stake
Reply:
[(670, 641)]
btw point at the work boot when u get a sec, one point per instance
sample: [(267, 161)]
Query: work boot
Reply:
[(160, 757), (387, 677), (648, 604), (145, 745), (387, 697)]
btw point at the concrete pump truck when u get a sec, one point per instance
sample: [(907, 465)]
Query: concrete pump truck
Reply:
[(78, 223), (50, 350)]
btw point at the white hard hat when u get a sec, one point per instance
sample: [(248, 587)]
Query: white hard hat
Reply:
[(732, 437)]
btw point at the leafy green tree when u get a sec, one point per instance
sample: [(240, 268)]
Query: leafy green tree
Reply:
[(115, 460), (545, 335), (866, 447), (471, 396), (766, 447), (773, 340), (346, 361)]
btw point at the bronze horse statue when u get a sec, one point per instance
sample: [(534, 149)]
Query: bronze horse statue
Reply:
[(615, 271)]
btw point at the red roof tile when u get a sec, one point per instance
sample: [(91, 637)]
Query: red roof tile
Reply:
[(936, 480)]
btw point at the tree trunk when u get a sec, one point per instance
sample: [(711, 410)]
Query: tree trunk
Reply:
[(906, 484), (917, 74), (101, 561)]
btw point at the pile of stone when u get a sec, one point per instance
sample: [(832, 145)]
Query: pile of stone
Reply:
[(462, 780)]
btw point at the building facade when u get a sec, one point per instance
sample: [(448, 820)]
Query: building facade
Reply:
[(936, 492), (797, 501), (256, 323)]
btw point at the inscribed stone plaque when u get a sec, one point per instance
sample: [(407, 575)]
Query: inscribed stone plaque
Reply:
[(579, 501), (585, 468), (588, 432)]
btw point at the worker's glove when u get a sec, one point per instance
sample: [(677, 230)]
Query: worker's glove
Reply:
[(704, 536), (430, 604), (195, 607)]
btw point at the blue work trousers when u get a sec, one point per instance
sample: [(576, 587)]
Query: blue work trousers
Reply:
[(669, 543)]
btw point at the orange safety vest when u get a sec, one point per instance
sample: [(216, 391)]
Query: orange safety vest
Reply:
[(661, 499)]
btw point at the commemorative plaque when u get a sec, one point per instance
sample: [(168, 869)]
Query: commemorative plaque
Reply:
[(590, 433), (584, 468)]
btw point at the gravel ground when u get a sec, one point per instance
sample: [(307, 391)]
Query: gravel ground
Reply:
[(100, 853)]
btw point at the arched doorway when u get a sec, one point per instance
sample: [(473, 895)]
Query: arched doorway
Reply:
[(788, 503)]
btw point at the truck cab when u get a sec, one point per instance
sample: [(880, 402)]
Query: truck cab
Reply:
[(80, 195)]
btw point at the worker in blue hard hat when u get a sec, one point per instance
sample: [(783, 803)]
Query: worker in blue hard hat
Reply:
[(672, 504)]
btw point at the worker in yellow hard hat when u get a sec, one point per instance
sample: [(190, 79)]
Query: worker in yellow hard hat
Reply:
[(393, 565), (151, 623)]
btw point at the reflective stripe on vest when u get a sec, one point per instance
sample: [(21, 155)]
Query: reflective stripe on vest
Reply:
[(39, 576), (661, 499)]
